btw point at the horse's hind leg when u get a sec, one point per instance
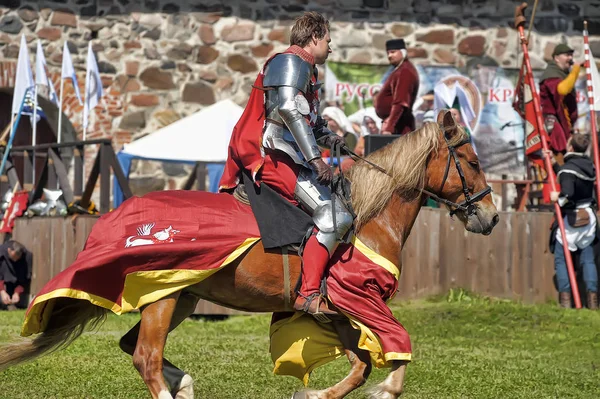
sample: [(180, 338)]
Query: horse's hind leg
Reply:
[(360, 362), (181, 384), (148, 353)]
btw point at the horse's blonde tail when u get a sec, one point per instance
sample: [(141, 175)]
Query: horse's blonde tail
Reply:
[(68, 320)]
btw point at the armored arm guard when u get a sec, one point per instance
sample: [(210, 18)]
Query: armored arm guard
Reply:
[(290, 76)]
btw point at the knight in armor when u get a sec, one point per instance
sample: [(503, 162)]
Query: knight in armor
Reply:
[(276, 142)]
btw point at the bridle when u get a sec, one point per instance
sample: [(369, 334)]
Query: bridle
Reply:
[(468, 205)]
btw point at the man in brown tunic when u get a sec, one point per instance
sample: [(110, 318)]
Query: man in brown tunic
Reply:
[(399, 92)]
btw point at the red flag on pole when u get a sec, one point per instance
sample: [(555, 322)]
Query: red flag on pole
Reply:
[(524, 105)]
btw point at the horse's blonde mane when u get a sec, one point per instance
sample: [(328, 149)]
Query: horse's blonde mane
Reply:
[(404, 159)]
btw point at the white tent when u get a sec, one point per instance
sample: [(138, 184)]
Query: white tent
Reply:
[(203, 136)]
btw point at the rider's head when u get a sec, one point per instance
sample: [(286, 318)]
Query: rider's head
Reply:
[(311, 32)]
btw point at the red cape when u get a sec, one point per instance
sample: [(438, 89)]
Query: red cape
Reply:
[(245, 146)]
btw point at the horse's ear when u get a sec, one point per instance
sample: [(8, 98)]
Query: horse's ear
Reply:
[(440, 116), (447, 122)]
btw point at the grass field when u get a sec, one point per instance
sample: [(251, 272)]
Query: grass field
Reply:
[(467, 348)]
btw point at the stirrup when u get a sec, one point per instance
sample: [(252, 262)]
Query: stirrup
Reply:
[(319, 316)]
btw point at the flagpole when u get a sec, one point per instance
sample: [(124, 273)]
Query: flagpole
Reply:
[(34, 133), (60, 103), (12, 133), (519, 22), (590, 87)]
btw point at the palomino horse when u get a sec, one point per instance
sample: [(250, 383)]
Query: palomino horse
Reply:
[(436, 159)]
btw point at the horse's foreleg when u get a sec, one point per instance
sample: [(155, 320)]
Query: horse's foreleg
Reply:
[(148, 353), (391, 388), (181, 383), (360, 362)]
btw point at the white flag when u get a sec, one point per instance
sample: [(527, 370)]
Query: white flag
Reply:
[(595, 82), (24, 79), (93, 86), (41, 78), (68, 72)]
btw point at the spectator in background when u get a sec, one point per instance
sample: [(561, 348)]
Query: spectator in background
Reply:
[(16, 264), (576, 199), (558, 98), (371, 124), (339, 124), (397, 96), (423, 109)]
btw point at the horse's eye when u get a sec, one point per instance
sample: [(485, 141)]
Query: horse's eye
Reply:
[(474, 164)]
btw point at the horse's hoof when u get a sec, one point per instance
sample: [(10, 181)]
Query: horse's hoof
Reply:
[(306, 394), (379, 393), (186, 388)]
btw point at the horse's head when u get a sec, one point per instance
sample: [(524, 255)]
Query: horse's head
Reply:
[(454, 175)]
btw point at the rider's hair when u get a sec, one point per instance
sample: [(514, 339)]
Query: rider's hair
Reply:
[(580, 142), (309, 24)]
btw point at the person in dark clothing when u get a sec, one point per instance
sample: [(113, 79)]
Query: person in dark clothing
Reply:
[(576, 199), (15, 275)]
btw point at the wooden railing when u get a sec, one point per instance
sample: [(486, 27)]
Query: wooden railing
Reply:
[(54, 172), (513, 262)]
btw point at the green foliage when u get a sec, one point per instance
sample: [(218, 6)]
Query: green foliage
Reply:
[(465, 346)]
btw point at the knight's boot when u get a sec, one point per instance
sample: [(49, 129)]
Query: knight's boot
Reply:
[(565, 299), (314, 262), (592, 300)]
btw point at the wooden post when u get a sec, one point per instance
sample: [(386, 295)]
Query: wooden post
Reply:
[(104, 178)]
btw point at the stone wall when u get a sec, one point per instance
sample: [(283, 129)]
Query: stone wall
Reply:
[(164, 59)]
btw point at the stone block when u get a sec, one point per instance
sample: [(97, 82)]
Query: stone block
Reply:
[(262, 50), (28, 14), (144, 100), (279, 35), (444, 56), (207, 34), (472, 45), (62, 18), (239, 32), (180, 52), (11, 24), (154, 78), (133, 121), (206, 54), (417, 52), (126, 84), (241, 63), (359, 57), (437, 36), (199, 93), (49, 33), (401, 30)]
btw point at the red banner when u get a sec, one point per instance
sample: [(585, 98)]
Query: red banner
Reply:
[(524, 105), (16, 207)]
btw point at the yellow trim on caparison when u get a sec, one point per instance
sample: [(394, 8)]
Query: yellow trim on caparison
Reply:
[(375, 257), (140, 288)]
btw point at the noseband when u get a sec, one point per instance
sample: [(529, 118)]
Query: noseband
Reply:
[(468, 205)]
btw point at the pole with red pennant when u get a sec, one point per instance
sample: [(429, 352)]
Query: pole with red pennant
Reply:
[(593, 81), (530, 93)]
